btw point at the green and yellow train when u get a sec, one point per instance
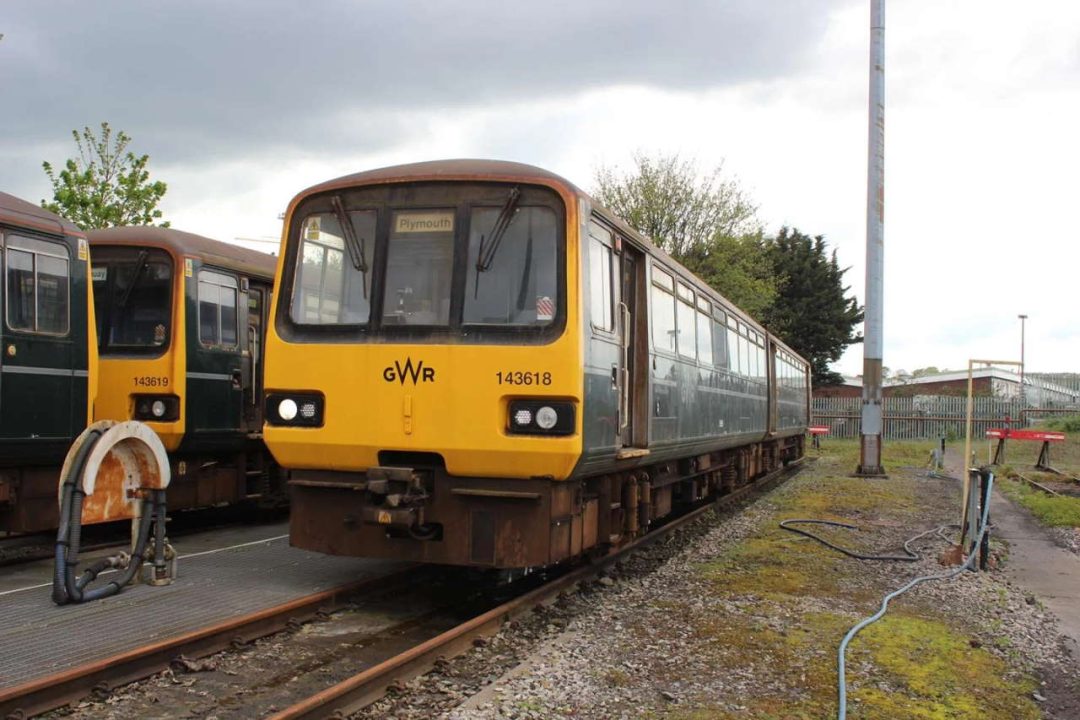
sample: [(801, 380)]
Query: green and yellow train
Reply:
[(470, 362), (148, 324)]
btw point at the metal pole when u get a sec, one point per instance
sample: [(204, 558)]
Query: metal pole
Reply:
[(1023, 394), (872, 399)]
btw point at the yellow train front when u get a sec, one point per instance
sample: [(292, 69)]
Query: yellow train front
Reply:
[(461, 369), (181, 324)]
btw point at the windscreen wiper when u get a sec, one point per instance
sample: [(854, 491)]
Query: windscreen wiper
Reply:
[(354, 244), (140, 265), (486, 254)]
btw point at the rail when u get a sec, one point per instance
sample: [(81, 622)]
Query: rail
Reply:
[(53, 691), (366, 687)]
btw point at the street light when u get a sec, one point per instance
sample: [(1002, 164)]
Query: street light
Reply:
[(1023, 395)]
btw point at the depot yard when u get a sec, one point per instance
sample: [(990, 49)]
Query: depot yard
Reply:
[(745, 621)]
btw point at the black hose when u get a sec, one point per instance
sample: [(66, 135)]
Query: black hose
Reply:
[(63, 532), (67, 588), (908, 556)]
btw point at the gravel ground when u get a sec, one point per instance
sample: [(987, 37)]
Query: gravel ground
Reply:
[(669, 637), (1068, 538)]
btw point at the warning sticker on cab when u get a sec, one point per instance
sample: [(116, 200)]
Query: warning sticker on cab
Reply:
[(384, 518)]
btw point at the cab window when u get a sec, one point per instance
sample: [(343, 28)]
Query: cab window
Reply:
[(38, 285)]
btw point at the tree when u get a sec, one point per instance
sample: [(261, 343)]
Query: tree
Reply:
[(705, 222), (105, 186), (923, 372), (812, 312)]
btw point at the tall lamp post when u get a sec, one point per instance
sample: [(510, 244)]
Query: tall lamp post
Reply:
[(871, 431), (1023, 394)]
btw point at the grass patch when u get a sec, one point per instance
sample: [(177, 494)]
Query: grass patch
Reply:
[(793, 600), (1050, 510), (931, 671), (844, 453)]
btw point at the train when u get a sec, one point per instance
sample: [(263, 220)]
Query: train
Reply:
[(136, 323), (49, 362), (473, 363), (181, 325)]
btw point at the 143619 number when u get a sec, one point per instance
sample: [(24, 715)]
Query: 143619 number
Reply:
[(151, 381), (523, 377)]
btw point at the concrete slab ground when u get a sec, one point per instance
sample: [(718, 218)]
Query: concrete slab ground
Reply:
[(1035, 562)]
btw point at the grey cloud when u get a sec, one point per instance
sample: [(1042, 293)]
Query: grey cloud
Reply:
[(214, 80)]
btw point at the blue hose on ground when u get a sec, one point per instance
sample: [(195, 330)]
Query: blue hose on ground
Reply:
[(841, 680)]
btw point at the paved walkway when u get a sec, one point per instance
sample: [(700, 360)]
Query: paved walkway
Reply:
[(215, 584), (1035, 562)]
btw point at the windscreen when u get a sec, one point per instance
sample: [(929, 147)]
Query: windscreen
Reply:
[(459, 258), (132, 299)]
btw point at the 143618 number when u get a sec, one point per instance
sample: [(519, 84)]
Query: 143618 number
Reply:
[(523, 377)]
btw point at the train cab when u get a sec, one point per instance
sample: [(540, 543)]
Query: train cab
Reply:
[(181, 324), (48, 358)]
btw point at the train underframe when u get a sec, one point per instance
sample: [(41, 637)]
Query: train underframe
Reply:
[(28, 495), (418, 512)]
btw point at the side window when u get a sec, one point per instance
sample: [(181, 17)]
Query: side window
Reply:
[(733, 346), (719, 337), (663, 311), (600, 267), (687, 328), (704, 338), (38, 283), (217, 310)]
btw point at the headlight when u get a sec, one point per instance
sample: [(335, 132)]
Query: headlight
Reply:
[(295, 409), (286, 409), (541, 417), (546, 417), (157, 408)]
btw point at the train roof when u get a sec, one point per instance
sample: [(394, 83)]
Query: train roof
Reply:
[(457, 169), (225, 255), (505, 171), (19, 212)]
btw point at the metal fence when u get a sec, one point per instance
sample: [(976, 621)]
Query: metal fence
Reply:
[(917, 417)]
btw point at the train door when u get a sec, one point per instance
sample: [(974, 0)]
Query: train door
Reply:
[(36, 393), (253, 369), (633, 343), (215, 368), (773, 383)]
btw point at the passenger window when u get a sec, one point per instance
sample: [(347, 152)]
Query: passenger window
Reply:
[(719, 337), (600, 267), (687, 329), (38, 286), (217, 310), (704, 338), (733, 349), (663, 319)]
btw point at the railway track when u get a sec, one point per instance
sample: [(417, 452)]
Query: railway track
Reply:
[(410, 645)]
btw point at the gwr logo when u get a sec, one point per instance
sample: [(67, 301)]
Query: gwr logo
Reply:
[(400, 372)]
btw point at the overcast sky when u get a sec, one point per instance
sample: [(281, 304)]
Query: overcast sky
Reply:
[(242, 104)]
